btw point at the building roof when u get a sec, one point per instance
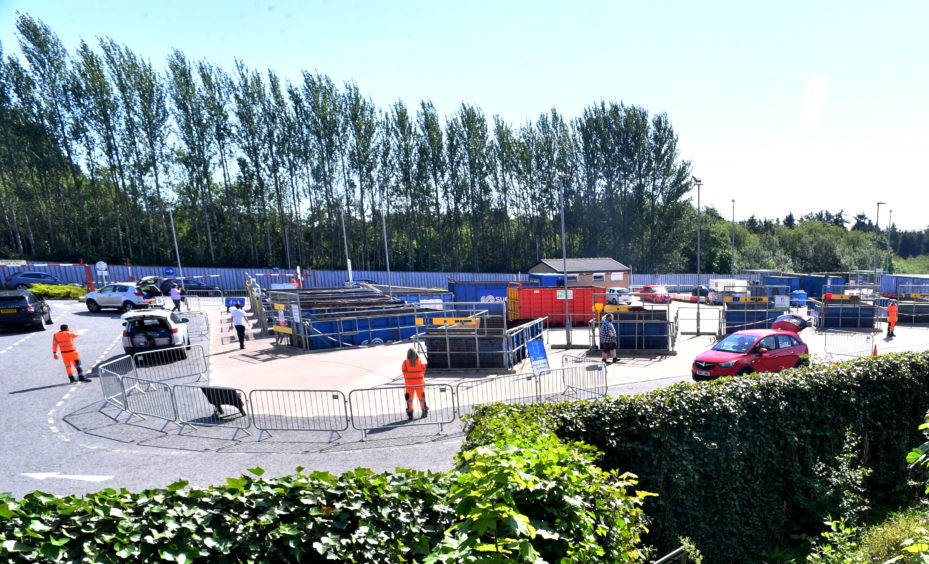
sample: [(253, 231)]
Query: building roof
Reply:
[(586, 265)]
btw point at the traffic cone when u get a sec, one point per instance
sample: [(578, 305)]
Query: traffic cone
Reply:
[(874, 350)]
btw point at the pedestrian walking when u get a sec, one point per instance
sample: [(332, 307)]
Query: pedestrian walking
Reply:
[(63, 341), (891, 318), (608, 338), (176, 298), (239, 321), (414, 378)]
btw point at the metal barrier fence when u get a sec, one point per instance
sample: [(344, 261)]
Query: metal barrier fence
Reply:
[(149, 398), (299, 410), (198, 406), (198, 326), (848, 344), (191, 406), (110, 375), (171, 364), (377, 408)]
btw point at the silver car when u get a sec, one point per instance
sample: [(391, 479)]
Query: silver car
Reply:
[(124, 296)]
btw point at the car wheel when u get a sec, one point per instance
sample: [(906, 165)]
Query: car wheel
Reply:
[(22, 287), (127, 306), (38, 325), (93, 306), (48, 318), (746, 371), (802, 363)]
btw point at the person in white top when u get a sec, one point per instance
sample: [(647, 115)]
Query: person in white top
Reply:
[(176, 298), (240, 322)]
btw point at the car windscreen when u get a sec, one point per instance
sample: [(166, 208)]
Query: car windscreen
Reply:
[(735, 343)]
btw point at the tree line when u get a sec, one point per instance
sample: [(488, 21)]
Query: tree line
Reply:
[(102, 154)]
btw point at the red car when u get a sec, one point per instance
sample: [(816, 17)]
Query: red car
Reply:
[(754, 350), (654, 294)]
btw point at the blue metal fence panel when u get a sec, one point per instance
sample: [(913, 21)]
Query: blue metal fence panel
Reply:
[(684, 280)]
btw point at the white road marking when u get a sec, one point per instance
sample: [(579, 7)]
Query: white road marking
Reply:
[(81, 331), (60, 476)]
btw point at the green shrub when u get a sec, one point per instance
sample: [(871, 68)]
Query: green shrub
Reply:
[(520, 500), (740, 464), (58, 292), (531, 498)]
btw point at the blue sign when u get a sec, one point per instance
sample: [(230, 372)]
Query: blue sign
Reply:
[(276, 269), (232, 302), (169, 271), (537, 356)]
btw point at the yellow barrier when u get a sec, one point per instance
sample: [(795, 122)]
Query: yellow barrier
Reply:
[(759, 299), (470, 321)]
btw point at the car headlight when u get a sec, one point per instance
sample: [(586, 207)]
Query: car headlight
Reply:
[(729, 364)]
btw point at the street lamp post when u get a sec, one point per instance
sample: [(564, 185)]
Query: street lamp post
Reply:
[(564, 262), (177, 251), (699, 183), (732, 260), (890, 222)]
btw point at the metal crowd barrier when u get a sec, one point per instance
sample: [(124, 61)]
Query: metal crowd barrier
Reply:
[(171, 364), (376, 408), (199, 406), (110, 375), (148, 398), (848, 344), (298, 410), (198, 326), (191, 406)]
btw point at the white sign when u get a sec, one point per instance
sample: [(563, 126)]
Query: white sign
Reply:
[(782, 301), (101, 266), (12, 262), (295, 311), (616, 276), (560, 295), (432, 303)]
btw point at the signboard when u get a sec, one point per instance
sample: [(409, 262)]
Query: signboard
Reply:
[(782, 302), (560, 294), (757, 299), (470, 321), (101, 266), (169, 271), (295, 312), (432, 303), (537, 356), (12, 262), (616, 276)]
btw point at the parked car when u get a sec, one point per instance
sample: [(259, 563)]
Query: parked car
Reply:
[(753, 350), (153, 330), (654, 294), (190, 286), (22, 307), (618, 296), (23, 280), (123, 296)]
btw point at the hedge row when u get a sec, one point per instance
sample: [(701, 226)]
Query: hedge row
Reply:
[(526, 497), (741, 464), (58, 292)]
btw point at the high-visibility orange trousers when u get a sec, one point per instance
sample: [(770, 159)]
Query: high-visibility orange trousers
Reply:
[(72, 360), (414, 391)]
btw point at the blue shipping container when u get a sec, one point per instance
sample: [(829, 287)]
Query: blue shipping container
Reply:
[(478, 291)]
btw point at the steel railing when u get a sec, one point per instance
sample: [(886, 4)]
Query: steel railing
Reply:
[(299, 410), (385, 407)]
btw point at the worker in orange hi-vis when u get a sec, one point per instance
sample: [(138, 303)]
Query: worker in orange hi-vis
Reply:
[(414, 378), (891, 318), (63, 341)]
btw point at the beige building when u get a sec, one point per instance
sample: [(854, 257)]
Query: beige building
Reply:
[(600, 272)]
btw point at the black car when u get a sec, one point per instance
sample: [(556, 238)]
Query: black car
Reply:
[(192, 287), (22, 307), (23, 280)]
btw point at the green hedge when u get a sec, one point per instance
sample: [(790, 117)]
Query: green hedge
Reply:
[(741, 464), (58, 292), (522, 499)]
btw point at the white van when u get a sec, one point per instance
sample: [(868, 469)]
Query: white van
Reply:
[(618, 296)]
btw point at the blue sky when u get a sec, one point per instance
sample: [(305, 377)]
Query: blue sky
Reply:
[(789, 106)]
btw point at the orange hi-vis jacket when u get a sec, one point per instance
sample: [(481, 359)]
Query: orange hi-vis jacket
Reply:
[(414, 375), (892, 313), (64, 341)]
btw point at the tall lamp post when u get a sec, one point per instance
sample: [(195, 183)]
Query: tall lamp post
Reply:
[(177, 251), (564, 263), (732, 260), (877, 222), (390, 285), (890, 223), (699, 183)]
